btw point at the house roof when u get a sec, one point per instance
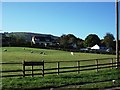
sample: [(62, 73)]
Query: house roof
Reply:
[(95, 47)]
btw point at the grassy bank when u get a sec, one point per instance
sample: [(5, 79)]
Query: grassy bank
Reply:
[(101, 79)]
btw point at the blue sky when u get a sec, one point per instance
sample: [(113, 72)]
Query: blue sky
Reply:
[(57, 18)]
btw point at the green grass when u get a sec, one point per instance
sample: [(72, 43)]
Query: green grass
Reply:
[(18, 54), (73, 80)]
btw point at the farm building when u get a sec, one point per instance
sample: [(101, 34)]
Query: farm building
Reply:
[(44, 40), (101, 49), (95, 47)]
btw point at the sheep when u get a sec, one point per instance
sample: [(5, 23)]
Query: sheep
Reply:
[(31, 51), (41, 52), (5, 50), (72, 53), (44, 53), (113, 82)]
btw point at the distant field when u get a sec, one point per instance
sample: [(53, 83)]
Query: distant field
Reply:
[(18, 54)]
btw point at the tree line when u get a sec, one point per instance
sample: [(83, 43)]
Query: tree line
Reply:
[(11, 39), (68, 41)]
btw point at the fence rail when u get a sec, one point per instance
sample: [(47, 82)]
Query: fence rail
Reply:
[(58, 69)]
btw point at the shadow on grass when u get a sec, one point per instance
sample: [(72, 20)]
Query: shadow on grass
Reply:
[(62, 87), (83, 79)]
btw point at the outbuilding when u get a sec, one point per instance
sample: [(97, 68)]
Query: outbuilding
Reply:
[(95, 47)]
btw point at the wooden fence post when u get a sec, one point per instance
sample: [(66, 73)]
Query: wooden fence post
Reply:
[(112, 62), (43, 69), (23, 68), (78, 64), (97, 64), (58, 66), (32, 71)]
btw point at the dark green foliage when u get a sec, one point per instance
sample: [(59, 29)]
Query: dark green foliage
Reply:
[(91, 40), (70, 41), (109, 40), (14, 39)]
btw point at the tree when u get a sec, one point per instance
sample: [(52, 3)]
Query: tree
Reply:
[(109, 40), (63, 41), (80, 43), (68, 41), (91, 40), (71, 39)]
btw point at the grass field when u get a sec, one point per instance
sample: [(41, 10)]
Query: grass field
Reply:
[(92, 80), (19, 54)]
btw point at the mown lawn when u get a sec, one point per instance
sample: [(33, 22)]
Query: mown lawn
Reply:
[(99, 79)]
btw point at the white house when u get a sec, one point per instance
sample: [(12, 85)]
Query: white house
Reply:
[(43, 40)]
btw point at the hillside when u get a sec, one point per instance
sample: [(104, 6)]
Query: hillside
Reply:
[(27, 35)]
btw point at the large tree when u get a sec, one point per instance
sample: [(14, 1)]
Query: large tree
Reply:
[(63, 41), (72, 39), (80, 43), (67, 41), (91, 40), (109, 40)]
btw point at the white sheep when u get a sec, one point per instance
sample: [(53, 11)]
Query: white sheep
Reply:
[(5, 50), (72, 53), (31, 51), (113, 81)]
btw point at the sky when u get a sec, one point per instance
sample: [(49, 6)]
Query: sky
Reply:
[(58, 18)]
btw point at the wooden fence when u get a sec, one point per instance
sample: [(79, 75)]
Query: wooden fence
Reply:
[(41, 67)]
